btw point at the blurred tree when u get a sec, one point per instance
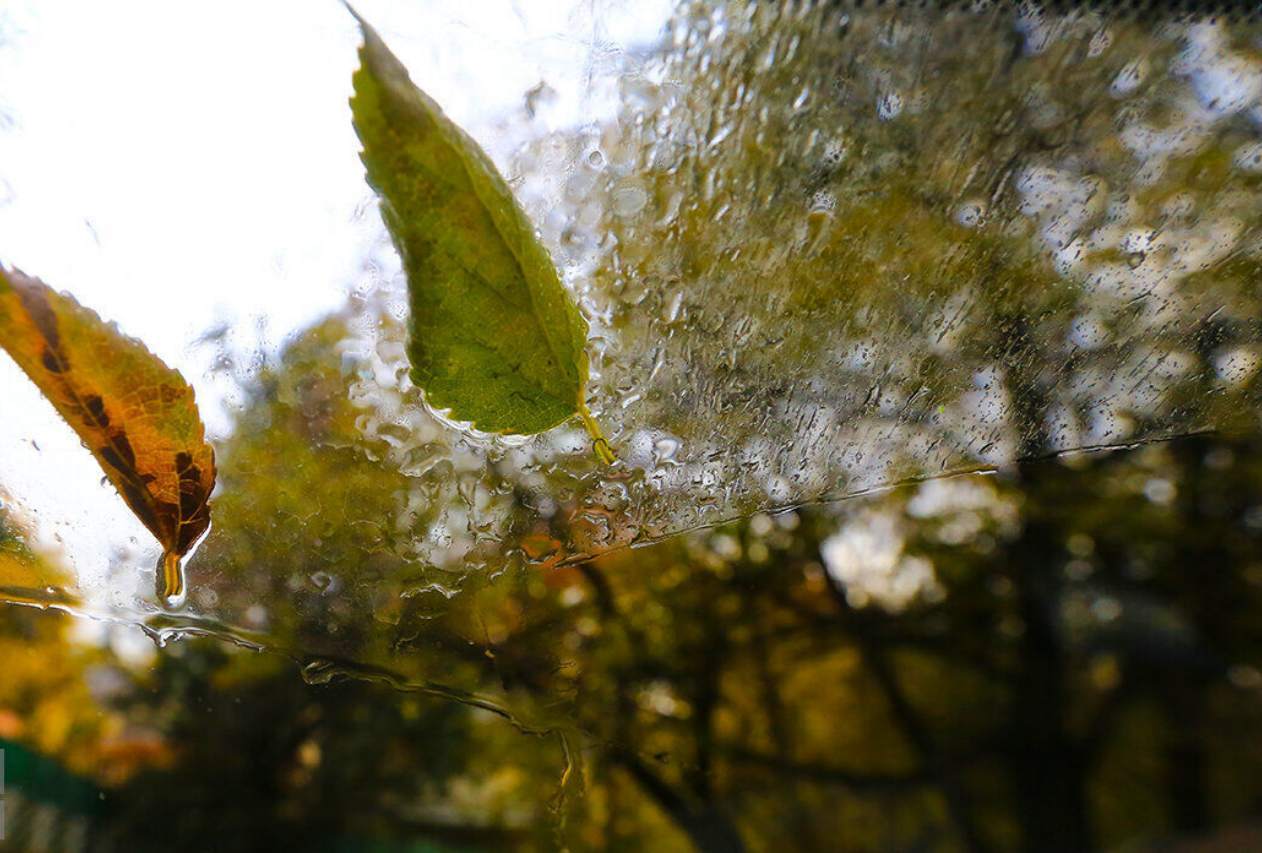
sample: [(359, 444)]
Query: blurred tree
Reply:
[(1076, 669)]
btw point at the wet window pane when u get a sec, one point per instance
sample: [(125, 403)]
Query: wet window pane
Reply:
[(926, 339)]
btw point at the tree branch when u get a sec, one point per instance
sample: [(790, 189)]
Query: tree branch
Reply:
[(858, 782)]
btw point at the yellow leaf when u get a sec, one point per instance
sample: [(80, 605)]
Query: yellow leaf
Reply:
[(134, 413)]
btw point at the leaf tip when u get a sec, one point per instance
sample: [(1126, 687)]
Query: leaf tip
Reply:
[(354, 14)]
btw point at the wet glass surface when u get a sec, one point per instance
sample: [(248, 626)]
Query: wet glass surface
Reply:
[(928, 344)]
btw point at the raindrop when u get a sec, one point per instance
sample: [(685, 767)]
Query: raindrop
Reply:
[(889, 106), (629, 199), (326, 583), (170, 587), (970, 213)]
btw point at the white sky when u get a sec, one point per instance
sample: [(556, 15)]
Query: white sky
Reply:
[(178, 166)]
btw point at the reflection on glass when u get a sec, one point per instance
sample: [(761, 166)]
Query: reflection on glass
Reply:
[(928, 261)]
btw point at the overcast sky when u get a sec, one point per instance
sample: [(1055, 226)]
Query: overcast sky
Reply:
[(181, 166)]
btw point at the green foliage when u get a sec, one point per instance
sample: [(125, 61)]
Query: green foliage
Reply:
[(495, 338)]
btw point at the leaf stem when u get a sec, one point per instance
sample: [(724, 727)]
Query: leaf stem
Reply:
[(600, 444)]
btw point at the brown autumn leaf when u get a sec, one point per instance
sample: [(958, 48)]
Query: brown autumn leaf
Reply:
[(134, 413)]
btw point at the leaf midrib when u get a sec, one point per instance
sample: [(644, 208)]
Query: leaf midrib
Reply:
[(558, 359)]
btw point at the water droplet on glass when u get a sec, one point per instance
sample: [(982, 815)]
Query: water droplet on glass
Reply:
[(170, 580), (889, 105), (665, 450), (970, 213), (629, 199), (324, 582)]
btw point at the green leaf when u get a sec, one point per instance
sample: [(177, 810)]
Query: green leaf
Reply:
[(494, 336)]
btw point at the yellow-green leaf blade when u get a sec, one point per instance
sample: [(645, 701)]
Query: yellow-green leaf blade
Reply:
[(494, 336), (135, 414)]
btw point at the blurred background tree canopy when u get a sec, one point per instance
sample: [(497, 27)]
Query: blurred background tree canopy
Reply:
[(1063, 657)]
